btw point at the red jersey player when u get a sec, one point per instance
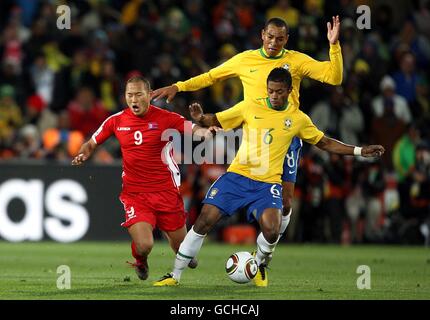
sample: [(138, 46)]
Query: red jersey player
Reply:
[(150, 175)]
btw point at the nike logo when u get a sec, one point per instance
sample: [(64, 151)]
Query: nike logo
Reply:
[(258, 118), (253, 70), (291, 172)]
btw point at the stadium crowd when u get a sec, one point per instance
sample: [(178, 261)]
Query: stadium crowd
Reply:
[(58, 85)]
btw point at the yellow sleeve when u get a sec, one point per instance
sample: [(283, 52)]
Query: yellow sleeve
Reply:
[(308, 131), (233, 117), (226, 70), (330, 72)]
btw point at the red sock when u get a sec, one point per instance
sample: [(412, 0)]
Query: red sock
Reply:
[(137, 256)]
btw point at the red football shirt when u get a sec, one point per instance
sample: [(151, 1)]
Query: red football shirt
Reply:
[(148, 163)]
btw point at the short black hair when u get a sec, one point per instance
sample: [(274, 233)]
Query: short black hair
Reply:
[(139, 79), (280, 75), (277, 22)]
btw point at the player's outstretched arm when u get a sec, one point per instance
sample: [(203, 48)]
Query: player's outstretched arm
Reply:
[(203, 119), (169, 92), (330, 72), (85, 152), (335, 146)]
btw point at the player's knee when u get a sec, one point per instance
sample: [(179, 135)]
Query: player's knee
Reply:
[(144, 247)]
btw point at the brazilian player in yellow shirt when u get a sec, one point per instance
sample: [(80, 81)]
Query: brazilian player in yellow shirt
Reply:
[(253, 180), (253, 67)]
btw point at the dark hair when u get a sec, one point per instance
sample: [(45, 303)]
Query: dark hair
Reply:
[(139, 79), (280, 75), (277, 22)]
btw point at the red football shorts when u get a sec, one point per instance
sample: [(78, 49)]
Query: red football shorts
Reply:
[(164, 209)]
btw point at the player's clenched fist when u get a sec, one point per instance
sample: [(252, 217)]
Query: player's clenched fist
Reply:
[(372, 151)]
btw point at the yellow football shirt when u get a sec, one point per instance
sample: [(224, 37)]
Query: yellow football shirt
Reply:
[(266, 137), (253, 67)]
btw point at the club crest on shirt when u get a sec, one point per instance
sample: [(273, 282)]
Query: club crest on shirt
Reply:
[(288, 123), (286, 66), (213, 193), (152, 125)]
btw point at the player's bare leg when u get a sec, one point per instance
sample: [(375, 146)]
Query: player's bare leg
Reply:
[(191, 245), (143, 241), (175, 238), (270, 222), (287, 202)]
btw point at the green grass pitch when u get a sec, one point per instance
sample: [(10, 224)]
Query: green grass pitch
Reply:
[(99, 271)]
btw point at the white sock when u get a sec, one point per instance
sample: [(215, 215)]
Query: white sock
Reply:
[(284, 223), (264, 248), (188, 249)]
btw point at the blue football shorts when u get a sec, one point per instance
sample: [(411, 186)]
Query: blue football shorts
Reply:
[(232, 191)]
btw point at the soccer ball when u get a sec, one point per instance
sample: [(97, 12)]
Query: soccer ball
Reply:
[(241, 267)]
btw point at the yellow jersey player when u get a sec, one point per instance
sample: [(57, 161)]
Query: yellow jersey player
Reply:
[(253, 67), (253, 180)]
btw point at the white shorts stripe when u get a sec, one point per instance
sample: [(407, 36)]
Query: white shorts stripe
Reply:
[(171, 164)]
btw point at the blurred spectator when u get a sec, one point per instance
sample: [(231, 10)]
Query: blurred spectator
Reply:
[(312, 221), (39, 37), (423, 101), (130, 12), (418, 45), (283, 9), (62, 138), (373, 188), (338, 118), (38, 114), (354, 204), (229, 92), (10, 116), (245, 15), (389, 96), (406, 79), (86, 113), (335, 192), (386, 130), (404, 152), (307, 41), (175, 25), (42, 78), (70, 79), (417, 214), (28, 144), (422, 17), (164, 72), (109, 86), (12, 47)]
